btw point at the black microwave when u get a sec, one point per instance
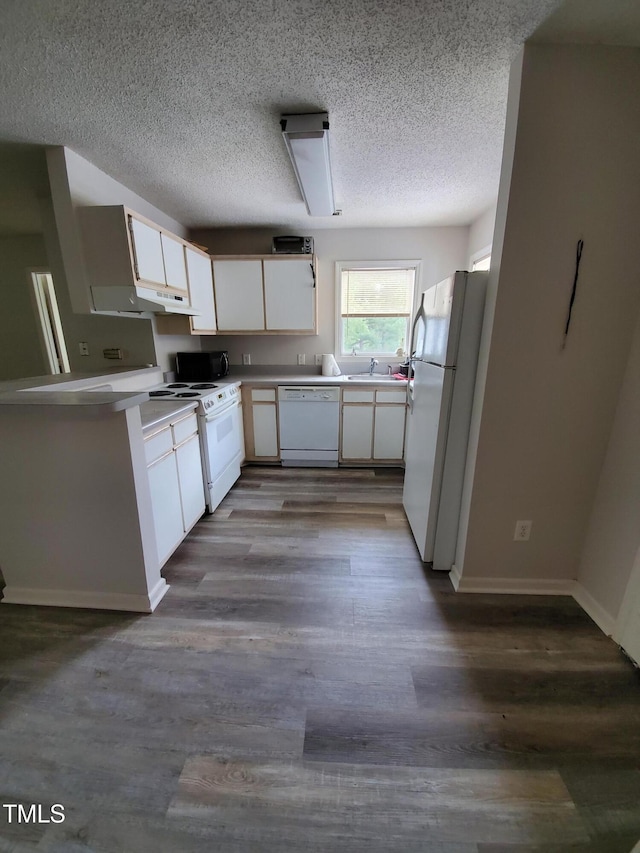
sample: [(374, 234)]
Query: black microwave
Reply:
[(292, 246), (201, 366)]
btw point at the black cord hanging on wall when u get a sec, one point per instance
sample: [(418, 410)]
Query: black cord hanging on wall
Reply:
[(579, 248)]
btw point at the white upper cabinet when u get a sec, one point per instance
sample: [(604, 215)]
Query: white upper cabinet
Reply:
[(147, 252), (175, 270), (262, 294), (239, 295), (201, 292), (289, 295), (122, 249)]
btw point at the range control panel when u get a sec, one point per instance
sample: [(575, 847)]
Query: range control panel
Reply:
[(220, 398)]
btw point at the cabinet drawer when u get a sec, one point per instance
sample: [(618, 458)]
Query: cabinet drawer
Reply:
[(263, 395), (157, 445), (357, 396), (184, 428), (391, 396)]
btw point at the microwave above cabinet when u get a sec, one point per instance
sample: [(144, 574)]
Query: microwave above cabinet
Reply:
[(292, 245)]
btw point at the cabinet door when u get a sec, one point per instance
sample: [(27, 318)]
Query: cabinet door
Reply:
[(289, 295), (357, 432), (239, 295), (147, 249), (166, 506), (388, 432), (265, 430), (175, 271), (201, 291), (190, 479)]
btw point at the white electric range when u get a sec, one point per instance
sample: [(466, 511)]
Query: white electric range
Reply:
[(220, 428)]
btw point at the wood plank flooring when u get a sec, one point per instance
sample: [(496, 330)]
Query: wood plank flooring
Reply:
[(306, 685)]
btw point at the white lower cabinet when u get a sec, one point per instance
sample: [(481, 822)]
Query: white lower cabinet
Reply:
[(388, 432), (357, 429), (261, 425), (190, 480), (373, 422), (175, 479), (166, 505), (265, 431)]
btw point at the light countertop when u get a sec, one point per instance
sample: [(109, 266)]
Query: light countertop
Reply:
[(317, 379), (76, 381), (42, 391), (85, 402), (74, 395)]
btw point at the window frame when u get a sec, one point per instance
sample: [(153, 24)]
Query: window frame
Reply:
[(382, 263), (480, 255)]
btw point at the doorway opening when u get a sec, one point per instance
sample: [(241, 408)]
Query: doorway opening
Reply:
[(49, 324)]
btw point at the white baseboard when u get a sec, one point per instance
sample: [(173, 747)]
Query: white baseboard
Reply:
[(603, 620), (157, 594), (91, 600), (511, 586), (455, 577), (537, 586)]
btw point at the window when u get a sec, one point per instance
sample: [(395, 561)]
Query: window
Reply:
[(482, 263), (375, 303)]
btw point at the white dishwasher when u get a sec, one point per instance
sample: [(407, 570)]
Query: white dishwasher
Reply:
[(309, 425)]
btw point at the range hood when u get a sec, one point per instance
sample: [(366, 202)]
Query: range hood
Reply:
[(138, 300)]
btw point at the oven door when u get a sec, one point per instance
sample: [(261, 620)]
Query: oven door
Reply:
[(221, 446)]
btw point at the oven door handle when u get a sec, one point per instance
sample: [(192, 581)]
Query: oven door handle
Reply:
[(220, 412)]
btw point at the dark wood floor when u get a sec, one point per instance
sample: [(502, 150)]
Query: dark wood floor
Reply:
[(305, 686)]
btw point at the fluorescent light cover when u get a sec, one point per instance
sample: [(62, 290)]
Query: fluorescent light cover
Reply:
[(307, 141)]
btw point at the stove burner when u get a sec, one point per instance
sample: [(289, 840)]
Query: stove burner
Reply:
[(161, 393), (178, 385), (204, 385), (188, 394)]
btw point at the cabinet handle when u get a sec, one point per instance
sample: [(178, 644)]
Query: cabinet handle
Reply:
[(160, 458), (313, 273), (185, 441)]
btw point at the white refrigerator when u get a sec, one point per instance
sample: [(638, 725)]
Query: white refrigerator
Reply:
[(445, 342)]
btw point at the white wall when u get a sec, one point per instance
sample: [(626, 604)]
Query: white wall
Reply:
[(75, 183), (548, 412), (506, 171), (441, 251), (20, 350), (613, 536)]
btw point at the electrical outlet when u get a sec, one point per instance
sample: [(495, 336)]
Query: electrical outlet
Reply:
[(84, 348), (319, 359), (301, 358), (522, 531), (246, 358)]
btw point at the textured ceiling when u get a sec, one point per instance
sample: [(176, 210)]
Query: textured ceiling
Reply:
[(180, 100)]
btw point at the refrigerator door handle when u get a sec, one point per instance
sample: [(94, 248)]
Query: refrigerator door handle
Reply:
[(420, 315)]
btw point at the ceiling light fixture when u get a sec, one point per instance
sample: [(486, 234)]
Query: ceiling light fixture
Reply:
[(307, 141)]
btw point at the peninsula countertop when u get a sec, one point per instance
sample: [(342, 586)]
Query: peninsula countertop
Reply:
[(85, 393)]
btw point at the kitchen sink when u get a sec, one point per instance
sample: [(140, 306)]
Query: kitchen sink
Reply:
[(375, 377)]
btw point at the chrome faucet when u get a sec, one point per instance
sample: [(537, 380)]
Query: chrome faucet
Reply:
[(373, 363)]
